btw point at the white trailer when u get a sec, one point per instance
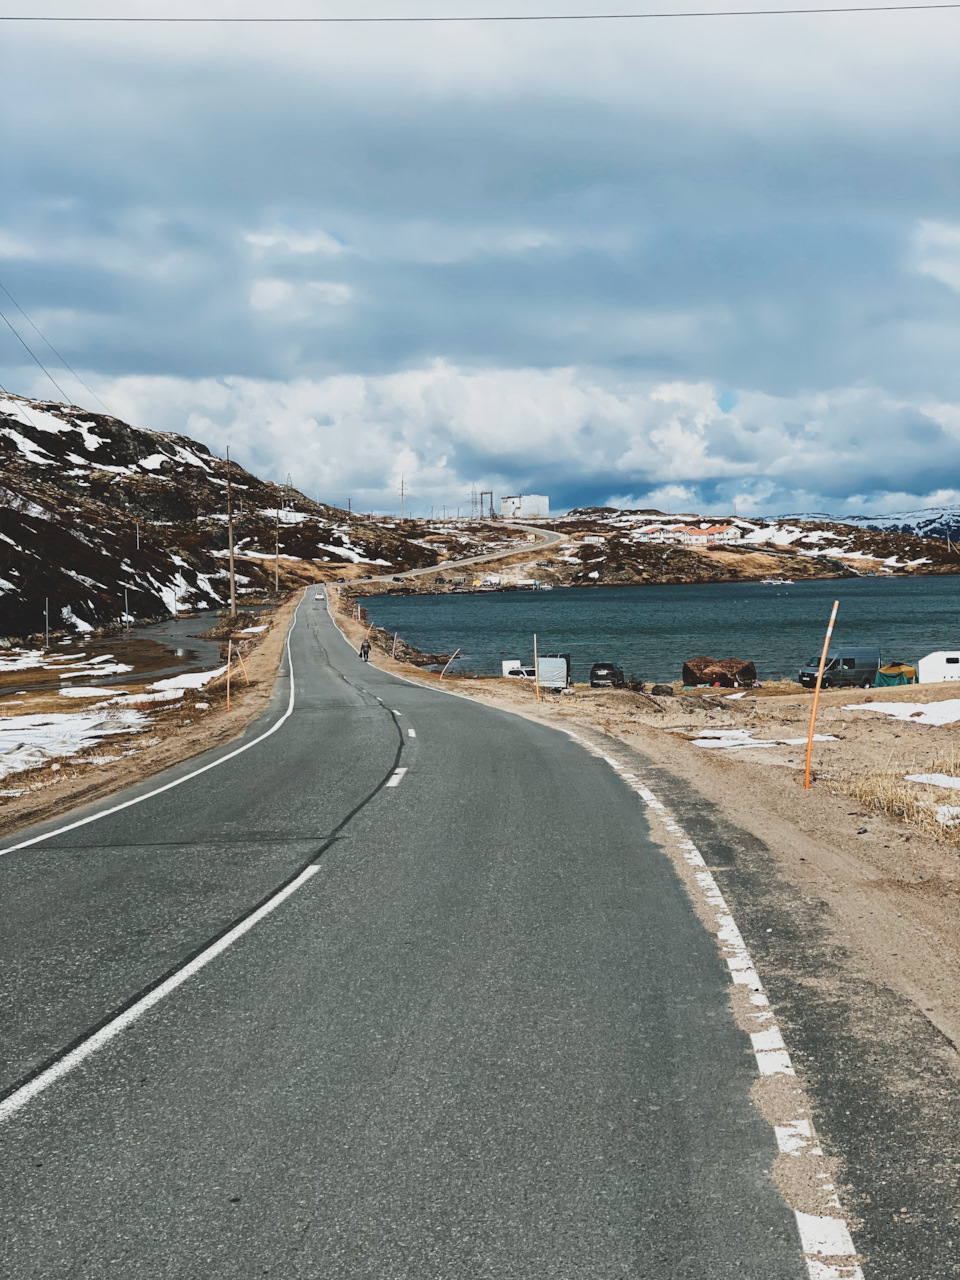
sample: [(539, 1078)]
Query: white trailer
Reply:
[(935, 667)]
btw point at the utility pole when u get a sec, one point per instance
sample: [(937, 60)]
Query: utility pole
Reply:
[(126, 609), (233, 581), (401, 497), (46, 622), (137, 523), (276, 562), (349, 508)]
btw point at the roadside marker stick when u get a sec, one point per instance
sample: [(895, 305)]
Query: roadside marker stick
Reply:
[(444, 671), (243, 665), (393, 652), (229, 665), (816, 693), (536, 669)]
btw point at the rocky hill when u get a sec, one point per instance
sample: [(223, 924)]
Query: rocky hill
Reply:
[(608, 545), (90, 507)]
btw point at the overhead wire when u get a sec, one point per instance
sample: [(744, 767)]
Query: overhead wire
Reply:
[(44, 339), (34, 357), (375, 19)]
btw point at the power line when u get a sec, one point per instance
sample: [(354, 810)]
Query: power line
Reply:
[(68, 367), (503, 17), (35, 357)]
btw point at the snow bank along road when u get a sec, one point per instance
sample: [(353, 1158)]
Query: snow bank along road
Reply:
[(404, 989)]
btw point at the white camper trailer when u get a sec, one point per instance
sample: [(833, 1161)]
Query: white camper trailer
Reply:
[(943, 665)]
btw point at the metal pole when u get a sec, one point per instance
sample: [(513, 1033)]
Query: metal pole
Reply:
[(46, 621), (137, 522), (233, 581), (401, 497), (816, 693)]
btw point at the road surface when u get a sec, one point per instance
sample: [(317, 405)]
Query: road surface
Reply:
[(545, 538), (483, 1036)]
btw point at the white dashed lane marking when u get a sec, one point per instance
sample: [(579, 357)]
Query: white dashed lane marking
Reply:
[(412, 733), (396, 778)]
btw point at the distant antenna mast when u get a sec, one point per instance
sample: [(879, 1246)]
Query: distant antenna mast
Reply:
[(473, 502), (401, 497), (486, 493), (233, 581)]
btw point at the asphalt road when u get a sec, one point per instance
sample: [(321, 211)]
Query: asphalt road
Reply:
[(488, 1038)]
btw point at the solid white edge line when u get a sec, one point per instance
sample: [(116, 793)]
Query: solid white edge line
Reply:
[(814, 1230), (16, 1101), (214, 764)]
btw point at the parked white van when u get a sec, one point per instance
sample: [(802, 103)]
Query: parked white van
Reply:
[(944, 665)]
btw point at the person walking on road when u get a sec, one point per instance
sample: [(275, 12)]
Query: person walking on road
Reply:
[(365, 650)]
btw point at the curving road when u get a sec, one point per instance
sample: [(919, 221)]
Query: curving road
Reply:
[(547, 538), (482, 1035)]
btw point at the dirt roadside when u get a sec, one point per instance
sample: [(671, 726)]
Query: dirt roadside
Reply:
[(175, 734)]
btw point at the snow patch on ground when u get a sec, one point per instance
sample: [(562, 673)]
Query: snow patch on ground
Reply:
[(946, 712), (744, 738), (27, 742)]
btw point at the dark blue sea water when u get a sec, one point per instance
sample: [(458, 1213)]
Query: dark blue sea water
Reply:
[(650, 631)]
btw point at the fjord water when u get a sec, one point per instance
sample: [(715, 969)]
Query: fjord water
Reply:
[(650, 631)]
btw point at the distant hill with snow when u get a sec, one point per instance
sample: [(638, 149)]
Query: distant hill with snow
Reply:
[(928, 522), (78, 490)]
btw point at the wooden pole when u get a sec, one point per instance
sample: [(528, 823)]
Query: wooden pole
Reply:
[(229, 665), (233, 581), (276, 561), (816, 693), (536, 669), (444, 671)]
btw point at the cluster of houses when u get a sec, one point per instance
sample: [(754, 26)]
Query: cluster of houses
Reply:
[(683, 534)]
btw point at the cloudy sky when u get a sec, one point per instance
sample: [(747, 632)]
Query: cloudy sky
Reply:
[(695, 264)]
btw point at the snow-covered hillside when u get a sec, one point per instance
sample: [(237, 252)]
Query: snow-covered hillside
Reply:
[(91, 508), (928, 522)]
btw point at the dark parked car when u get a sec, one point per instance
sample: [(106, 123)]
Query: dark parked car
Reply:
[(396, 578), (845, 665), (606, 675)]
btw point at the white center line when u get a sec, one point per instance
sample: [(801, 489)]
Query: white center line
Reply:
[(396, 778)]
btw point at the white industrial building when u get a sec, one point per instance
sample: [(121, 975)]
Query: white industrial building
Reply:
[(525, 506)]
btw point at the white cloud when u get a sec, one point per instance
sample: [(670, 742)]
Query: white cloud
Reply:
[(267, 295), (295, 242), (936, 247), (446, 428), (331, 291)]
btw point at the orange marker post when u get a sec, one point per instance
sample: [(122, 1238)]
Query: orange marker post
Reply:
[(816, 693)]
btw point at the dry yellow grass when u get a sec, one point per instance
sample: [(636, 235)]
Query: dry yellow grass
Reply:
[(888, 791)]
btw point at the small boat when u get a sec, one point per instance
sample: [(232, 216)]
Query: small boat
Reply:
[(776, 582)]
